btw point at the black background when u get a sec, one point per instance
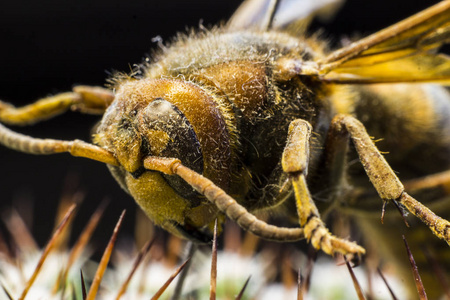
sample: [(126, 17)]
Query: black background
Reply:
[(49, 46)]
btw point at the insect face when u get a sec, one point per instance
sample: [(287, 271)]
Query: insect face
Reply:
[(166, 118)]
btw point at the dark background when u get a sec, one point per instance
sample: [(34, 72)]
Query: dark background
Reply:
[(49, 46)]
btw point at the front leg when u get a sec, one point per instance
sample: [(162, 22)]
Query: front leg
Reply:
[(295, 163), (86, 99), (383, 177)]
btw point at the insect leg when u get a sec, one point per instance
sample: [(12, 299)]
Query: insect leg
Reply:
[(383, 177), (223, 201), (295, 163), (83, 98), (441, 179)]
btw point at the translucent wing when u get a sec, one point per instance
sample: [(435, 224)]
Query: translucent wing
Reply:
[(265, 14), (403, 52)]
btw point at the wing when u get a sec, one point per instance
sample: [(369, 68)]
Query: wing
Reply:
[(403, 52), (267, 14)]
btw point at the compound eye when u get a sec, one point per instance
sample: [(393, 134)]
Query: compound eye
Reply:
[(167, 133)]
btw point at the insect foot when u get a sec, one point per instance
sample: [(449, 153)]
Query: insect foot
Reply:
[(315, 230), (321, 238)]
